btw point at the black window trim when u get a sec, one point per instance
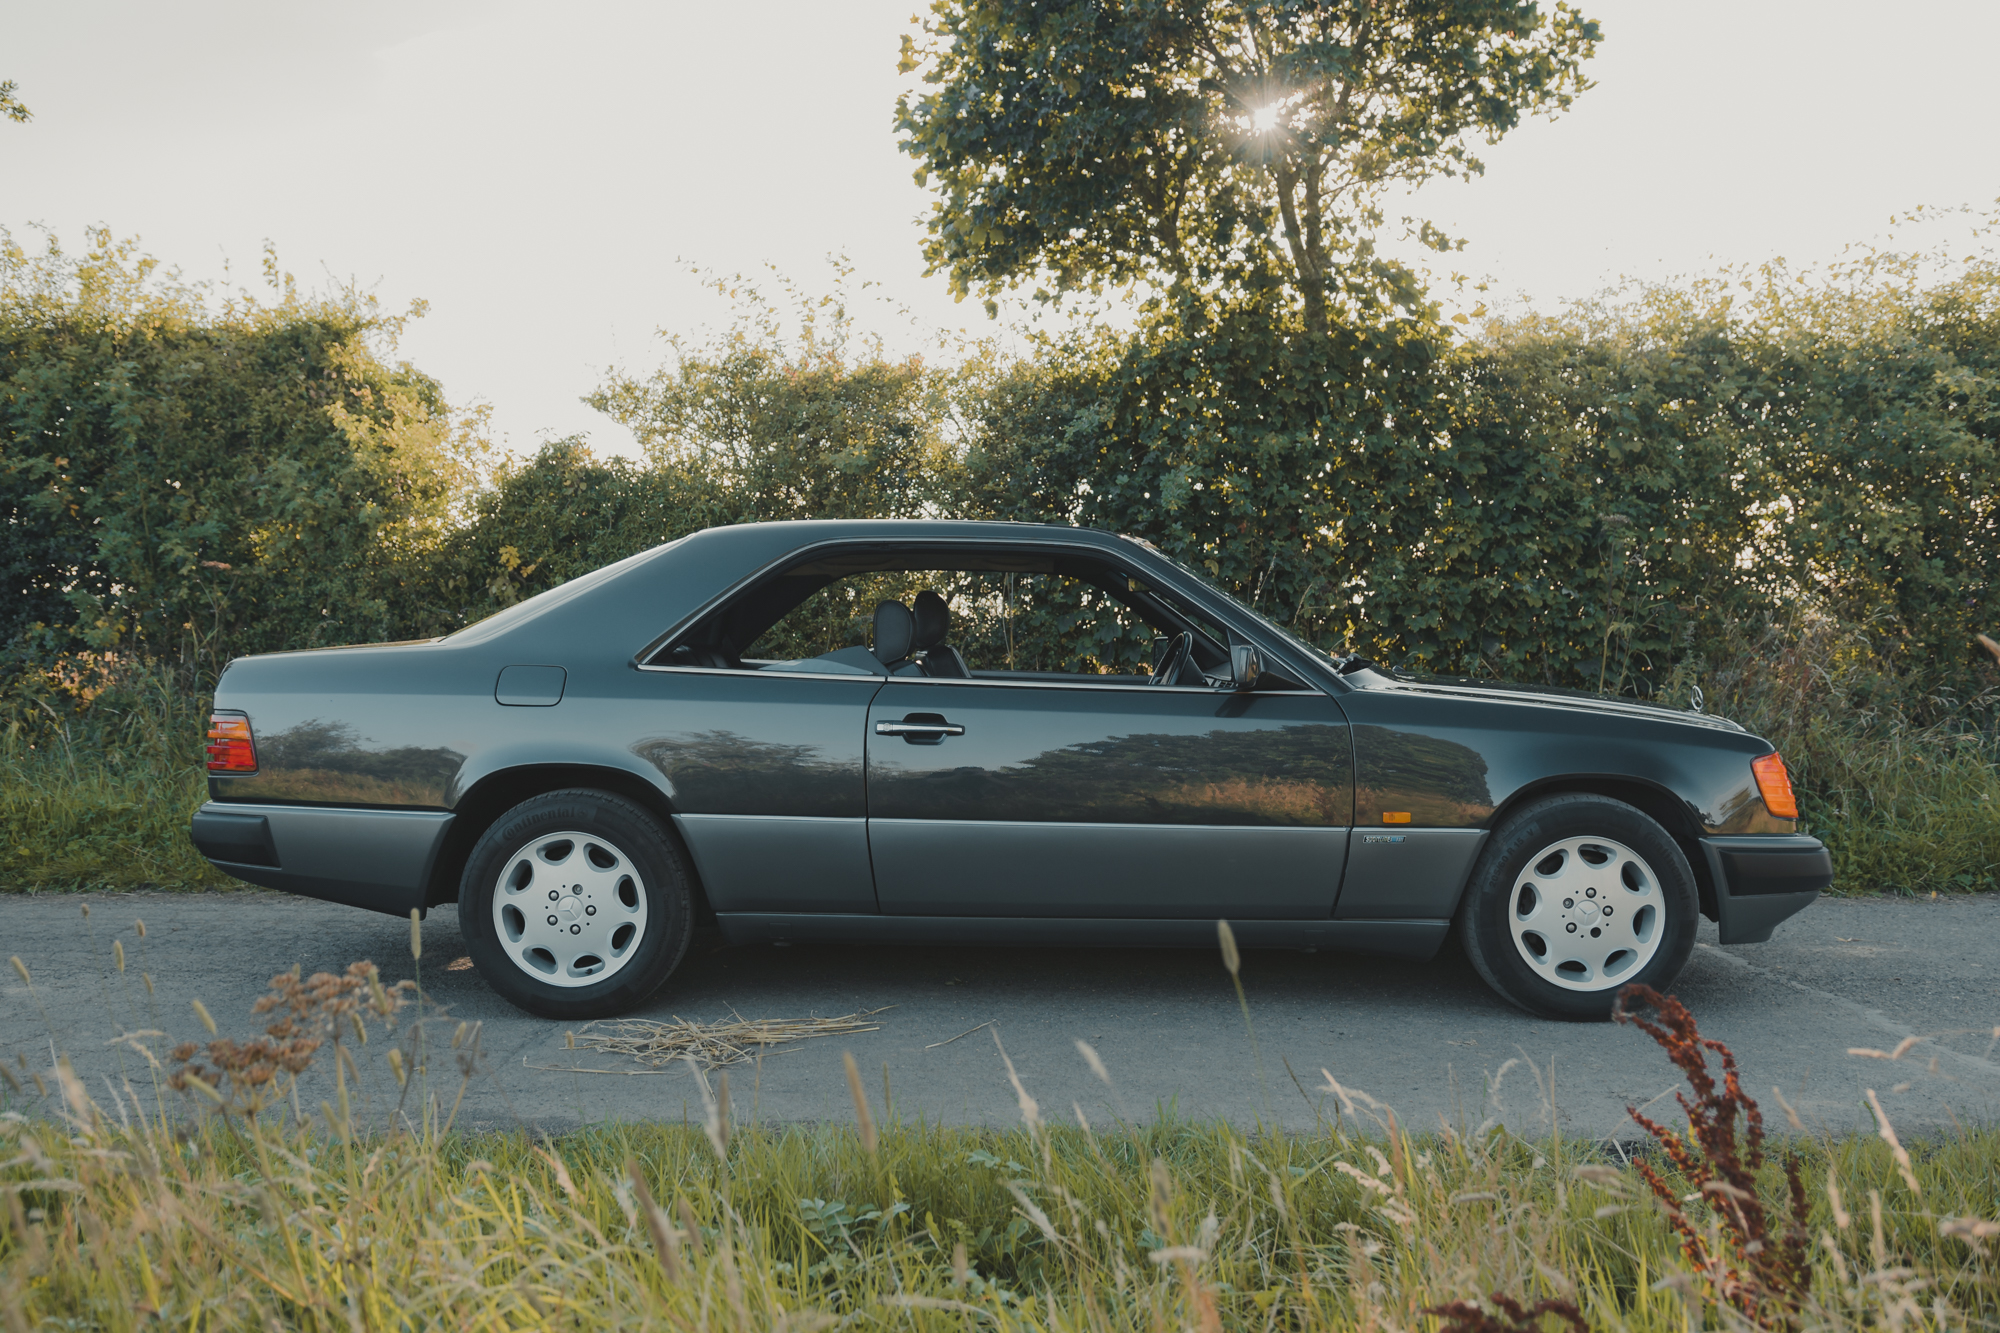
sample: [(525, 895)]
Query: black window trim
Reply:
[(1122, 555)]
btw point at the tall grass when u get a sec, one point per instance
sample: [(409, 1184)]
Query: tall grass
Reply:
[(100, 768), (1899, 773), (246, 1206), (802, 1226)]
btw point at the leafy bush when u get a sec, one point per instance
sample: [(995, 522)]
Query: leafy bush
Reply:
[(189, 474), (1586, 500)]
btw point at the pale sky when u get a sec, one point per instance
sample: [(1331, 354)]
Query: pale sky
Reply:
[(543, 173)]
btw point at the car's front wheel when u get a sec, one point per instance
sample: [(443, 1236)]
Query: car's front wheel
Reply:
[(575, 905), (1575, 898)]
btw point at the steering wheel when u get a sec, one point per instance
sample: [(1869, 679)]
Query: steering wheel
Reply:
[(1173, 660)]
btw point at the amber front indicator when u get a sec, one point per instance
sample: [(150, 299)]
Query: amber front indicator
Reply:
[(1774, 784), (230, 747)]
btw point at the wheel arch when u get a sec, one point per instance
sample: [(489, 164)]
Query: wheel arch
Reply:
[(1652, 799), (502, 790)]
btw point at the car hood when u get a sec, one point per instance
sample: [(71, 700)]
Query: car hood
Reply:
[(1551, 696)]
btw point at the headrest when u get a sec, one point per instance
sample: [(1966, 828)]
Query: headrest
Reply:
[(933, 619), (895, 629)]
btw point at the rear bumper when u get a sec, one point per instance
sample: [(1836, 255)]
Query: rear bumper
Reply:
[(377, 859), (1760, 881)]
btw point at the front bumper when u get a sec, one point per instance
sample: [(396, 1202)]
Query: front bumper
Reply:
[(1762, 880), (377, 859)]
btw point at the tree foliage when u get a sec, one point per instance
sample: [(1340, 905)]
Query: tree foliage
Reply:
[(1596, 498), (188, 474), (11, 105), (1601, 498), (792, 413), (549, 518), (789, 413), (1882, 385), (1222, 146), (1291, 468)]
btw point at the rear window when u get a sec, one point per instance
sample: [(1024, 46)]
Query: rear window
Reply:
[(480, 630)]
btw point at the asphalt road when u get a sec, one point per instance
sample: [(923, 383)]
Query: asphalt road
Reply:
[(1428, 1039)]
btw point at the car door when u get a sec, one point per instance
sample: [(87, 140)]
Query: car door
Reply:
[(764, 769), (1006, 798)]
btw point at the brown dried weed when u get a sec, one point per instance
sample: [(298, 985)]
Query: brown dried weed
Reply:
[(1754, 1262), (241, 1077), (1471, 1317)]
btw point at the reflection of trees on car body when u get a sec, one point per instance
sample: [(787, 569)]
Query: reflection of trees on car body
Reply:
[(1290, 774), (1432, 779), (726, 772), (331, 761)]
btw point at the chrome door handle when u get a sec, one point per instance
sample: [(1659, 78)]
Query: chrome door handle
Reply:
[(918, 729)]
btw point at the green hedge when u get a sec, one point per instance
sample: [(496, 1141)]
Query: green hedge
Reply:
[(188, 474), (1590, 500), (1597, 499)]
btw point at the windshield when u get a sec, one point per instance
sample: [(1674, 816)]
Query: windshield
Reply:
[(1263, 621)]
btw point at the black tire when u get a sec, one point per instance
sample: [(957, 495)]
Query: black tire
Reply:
[(628, 858), (1511, 908)]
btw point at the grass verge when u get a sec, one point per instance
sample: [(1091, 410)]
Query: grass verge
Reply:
[(1899, 774), (1168, 1227), (100, 770)]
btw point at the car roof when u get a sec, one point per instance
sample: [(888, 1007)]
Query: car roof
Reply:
[(664, 583), (793, 534)]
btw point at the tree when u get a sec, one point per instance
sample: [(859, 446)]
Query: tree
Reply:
[(792, 416), (11, 106), (548, 519), (187, 477), (1213, 145)]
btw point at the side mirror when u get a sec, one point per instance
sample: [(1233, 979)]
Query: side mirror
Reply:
[(1245, 666)]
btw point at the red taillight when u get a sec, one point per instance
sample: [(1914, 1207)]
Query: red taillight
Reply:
[(1774, 784), (230, 746)]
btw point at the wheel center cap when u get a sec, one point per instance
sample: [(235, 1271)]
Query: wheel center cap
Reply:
[(570, 909)]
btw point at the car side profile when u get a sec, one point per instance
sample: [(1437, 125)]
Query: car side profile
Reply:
[(946, 732)]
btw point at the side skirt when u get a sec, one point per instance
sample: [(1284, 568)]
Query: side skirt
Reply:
[(1417, 940)]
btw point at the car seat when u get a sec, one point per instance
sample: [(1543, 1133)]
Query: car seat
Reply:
[(932, 617), (895, 635)]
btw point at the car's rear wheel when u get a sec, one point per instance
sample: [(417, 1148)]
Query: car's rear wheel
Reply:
[(1575, 898), (575, 905)]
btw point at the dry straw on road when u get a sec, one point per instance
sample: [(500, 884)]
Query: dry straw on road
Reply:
[(712, 1045)]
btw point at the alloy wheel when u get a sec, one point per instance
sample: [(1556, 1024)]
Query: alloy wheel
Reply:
[(569, 909), (1587, 914)]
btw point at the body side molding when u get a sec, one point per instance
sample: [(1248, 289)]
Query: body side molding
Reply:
[(1398, 872), (781, 863), (1417, 940), (1003, 869)]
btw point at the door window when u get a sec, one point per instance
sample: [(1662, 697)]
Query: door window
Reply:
[(990, 614), (1018, 622)]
